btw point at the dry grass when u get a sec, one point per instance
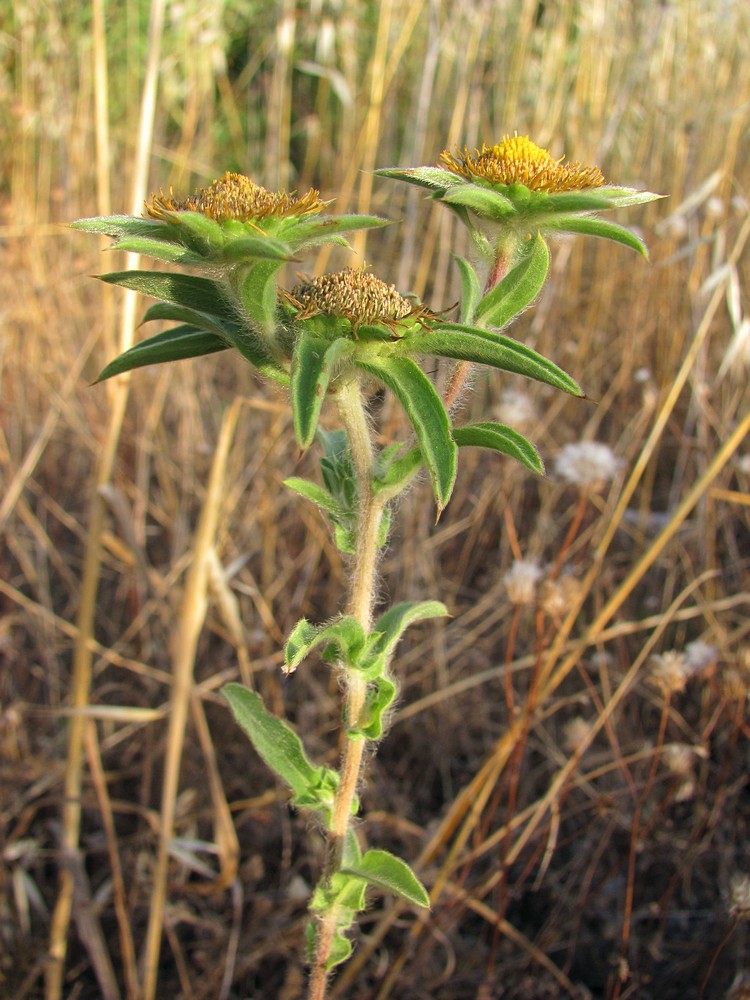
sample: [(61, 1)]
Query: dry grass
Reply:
[(583, 829)]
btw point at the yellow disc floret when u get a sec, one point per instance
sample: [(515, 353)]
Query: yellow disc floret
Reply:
[(235, 196), (517, 160)]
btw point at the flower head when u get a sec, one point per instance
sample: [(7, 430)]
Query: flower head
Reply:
[(588, 464), (356, 295), (520, 581), (670, 671), (235, 196), (518, 160)]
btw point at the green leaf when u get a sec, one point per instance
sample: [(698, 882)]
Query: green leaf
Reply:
[(203, 320), (314, 231), (379, 697), (234, 335), (180, 289), (126, 225), (255, 287), (518, 289), (598, 227), (485, 347), (500, 438), (428, 177), (313, 362), (567, 201), (198, 232), (317, 494), (346, 635), (385, 871), (257, 248), (621, 197), (426, 413), (173, 345), (274, 740), (173, 253), (398, 473), (391, 626), (482, 201), (470, 290)]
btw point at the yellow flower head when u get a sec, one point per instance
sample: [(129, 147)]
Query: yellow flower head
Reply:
[(356, 295), (235, 196), (517, 160)]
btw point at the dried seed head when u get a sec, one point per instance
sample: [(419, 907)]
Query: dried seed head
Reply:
[(701, 657), (669, 671), (679, 758), (559, 596), (576, 733), (740, 988), (356, 295), (588, 464), (517, 160), (235, 196), (515, 408), (520, 581), (739, 896)]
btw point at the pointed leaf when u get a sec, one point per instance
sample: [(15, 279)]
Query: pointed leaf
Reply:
[(500, 438), (346, 635), (483, 201), (197, 231), (621, 197), (568, 201), (256, 289), (203, 320), (274, 740), (173, 253), (485, 347), (257, 248), (379, 698), (386, 871), (312, 231), (398, 473), (394, 623), (180, 289), (173, 345), (126, 225), (313, 362), (317, 494), (429, 177), (470, 291), (518, 289), (427, 415), (597, 227)]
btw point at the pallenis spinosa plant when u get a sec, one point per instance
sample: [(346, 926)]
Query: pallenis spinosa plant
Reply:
[(335, 339)]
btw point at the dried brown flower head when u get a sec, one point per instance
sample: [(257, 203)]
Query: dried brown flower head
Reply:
[(356, 295)]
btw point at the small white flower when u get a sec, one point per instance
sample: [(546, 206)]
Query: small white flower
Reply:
[(589, 464), (521, 580)]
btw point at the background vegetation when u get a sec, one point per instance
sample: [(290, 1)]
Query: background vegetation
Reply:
[(599, 848)]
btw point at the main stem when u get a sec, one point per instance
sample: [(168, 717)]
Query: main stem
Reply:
[(360, 605)]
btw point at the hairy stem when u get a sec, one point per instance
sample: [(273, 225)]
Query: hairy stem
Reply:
[(360, 605)]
